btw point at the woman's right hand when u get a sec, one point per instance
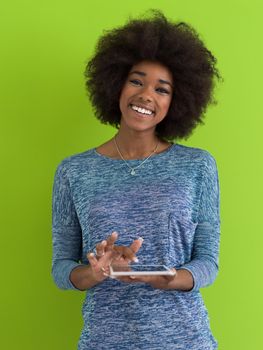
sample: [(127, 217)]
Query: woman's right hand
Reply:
[(107, 252)]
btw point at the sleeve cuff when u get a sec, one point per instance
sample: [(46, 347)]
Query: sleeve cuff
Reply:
[(195, 288), (203, 272), (61, 273)]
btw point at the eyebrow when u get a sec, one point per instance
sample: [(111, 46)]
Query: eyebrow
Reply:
[(143, 74)]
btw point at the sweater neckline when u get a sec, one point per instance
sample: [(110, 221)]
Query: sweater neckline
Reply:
[(158, 155)]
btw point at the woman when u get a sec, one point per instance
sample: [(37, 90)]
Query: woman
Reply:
[(141, 197)]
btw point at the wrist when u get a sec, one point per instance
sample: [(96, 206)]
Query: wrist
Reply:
[(95, 277), (183, 280), (83, 277)]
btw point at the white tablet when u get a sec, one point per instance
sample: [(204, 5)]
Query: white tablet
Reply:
[(140, 270)]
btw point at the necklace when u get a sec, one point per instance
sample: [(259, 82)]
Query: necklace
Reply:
[(133, 169)]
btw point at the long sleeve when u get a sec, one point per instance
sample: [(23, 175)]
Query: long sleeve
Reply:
[(66, 230), (172, 202), (204, 261)]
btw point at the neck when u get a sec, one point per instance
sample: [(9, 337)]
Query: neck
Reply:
[(136, 146)]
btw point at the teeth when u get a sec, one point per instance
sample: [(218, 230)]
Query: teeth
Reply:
[(141, 110)]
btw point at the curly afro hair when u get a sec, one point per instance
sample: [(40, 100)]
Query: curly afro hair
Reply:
[(178, 47)]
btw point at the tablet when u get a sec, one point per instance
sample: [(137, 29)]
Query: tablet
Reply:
[(140, 270)]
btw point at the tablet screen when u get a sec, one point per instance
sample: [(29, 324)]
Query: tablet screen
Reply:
[(136, 269)]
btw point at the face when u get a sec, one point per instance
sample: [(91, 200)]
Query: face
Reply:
[(146, 95)]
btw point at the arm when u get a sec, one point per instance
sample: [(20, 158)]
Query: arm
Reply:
[(66, 231), (201, 271), (85, 277), (204, 263), (67, 271), (182, 281)]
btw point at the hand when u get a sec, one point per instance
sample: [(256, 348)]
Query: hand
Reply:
[(125, 255), (122, 253), (160, 282), (107, 252)]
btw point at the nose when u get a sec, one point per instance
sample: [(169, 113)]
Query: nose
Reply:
[(145, 95)]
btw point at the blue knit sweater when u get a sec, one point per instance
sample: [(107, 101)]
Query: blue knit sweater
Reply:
[(173, 203)]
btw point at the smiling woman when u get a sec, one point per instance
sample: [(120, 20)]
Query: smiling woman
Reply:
[(152, 79), (178, 48), (146, 96)]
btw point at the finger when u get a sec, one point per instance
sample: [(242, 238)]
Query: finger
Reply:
[(144, 279), (118, 254), (92, 259), (112, 239), (136, 244), (127, 253), (107, 258), (102, 264), (121, 260), (107, 274), (171, 277), (100, 248), (127, 279), (99, 272)]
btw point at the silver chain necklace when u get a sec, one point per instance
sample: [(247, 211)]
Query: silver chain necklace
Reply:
[(133, 169)]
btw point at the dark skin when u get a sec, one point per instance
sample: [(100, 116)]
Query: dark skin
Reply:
[(148, 88), (108, 252)]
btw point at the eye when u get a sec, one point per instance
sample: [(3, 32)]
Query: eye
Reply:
[(135, 82), (163, 91)]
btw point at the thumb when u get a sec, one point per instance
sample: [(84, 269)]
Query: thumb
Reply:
[(171, 277)]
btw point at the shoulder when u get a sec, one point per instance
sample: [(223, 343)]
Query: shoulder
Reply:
[(197, 162), (195, 155), (75, 162)]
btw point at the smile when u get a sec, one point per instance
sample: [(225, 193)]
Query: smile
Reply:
[(141, 110)]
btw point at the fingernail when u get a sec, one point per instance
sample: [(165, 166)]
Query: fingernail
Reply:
[(132, 277), (91, 254), (135, 259), (140, 239), (103, 242)]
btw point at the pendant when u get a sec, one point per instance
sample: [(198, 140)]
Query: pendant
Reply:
[(132, 172)]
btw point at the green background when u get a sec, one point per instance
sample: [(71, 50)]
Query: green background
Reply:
[(46, 116)]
